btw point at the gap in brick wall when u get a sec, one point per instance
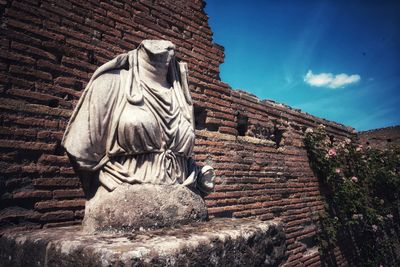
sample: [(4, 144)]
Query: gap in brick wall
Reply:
[(200, 115), (242, 124), (309, 241), (278, 133), (224, 214), (212, 127), (59, 151), (27, 156)]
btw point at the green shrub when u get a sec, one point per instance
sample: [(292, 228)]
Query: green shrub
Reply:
[(361, 187)]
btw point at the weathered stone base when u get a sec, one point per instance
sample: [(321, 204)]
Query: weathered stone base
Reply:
[(219, 242), (131, 207)]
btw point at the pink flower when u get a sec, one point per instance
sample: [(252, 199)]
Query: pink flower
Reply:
[(374, 228), (332, 152), (359, 148), (309, 131), (354, 179), (338, 170), (389, 216)]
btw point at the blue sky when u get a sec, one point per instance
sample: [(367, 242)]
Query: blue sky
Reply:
[(338, 60)]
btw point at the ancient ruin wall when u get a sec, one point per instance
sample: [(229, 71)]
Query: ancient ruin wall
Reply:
[(381, 138), (48, 51)]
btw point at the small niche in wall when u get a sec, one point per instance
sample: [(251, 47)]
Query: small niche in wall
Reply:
[(212, 127), (242, 124), (278, 134), (309, 242), (200, 115)]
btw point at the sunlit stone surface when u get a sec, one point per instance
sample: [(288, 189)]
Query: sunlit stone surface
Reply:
[(219, 242)]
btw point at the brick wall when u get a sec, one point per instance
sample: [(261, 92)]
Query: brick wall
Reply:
[(381, 138), (48, 51)]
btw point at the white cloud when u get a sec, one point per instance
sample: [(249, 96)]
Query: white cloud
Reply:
[(330, 80)]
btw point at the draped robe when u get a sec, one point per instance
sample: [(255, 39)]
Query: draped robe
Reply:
[(128, 132)]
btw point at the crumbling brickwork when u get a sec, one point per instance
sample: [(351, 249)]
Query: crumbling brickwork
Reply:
[(380, 138), (49, 49)]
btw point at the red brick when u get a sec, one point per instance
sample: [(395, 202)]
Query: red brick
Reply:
[(57, 216), (33, 50), (33, 194), (61, 224), (17, 105), (63, 204), (57, 182), (13, 132), (78, 63), (28, 121), (228, 130), (50, 135), (35, 30), (30, 72), (47, 65), (72, 193), (38, 97), (60, 91), (15, 57), (27, 145), (62, 12), (18, 14), (39, 169)]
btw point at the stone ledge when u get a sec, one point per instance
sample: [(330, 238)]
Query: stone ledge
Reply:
[(219, 242)]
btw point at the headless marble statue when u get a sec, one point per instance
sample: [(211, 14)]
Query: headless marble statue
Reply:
[(131, 140)]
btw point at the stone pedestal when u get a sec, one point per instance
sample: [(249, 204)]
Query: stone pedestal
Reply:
[(219, 242), (143, 206)]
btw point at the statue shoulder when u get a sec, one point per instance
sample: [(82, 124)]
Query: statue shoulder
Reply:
[(106, 84), (107, 79)]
